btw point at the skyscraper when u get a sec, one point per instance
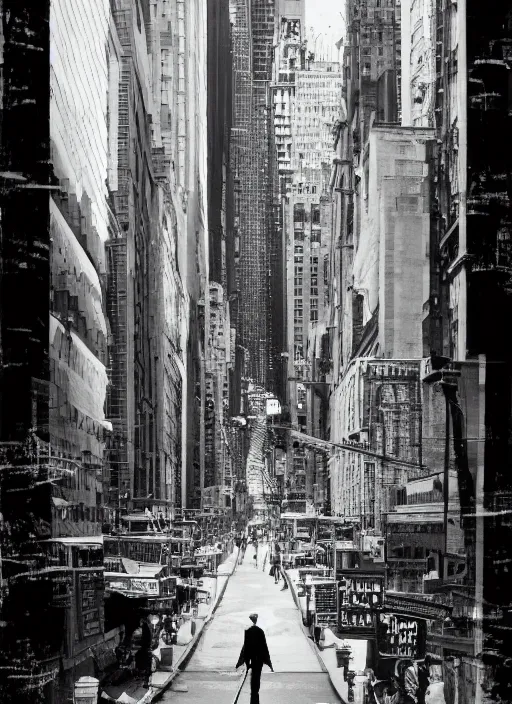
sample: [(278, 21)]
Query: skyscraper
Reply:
[(253, 31)]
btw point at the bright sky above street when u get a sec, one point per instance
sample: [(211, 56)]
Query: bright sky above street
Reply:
[(324, 18)]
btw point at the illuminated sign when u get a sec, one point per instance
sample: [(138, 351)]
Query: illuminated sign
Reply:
[(273, 407), (375, 546)]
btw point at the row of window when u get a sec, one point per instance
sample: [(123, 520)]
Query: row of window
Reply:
[(298, 278), (298, 316)]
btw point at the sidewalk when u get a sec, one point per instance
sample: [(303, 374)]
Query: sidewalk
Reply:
[(133, 692), (253, 590), (328, 653), (161, 680)]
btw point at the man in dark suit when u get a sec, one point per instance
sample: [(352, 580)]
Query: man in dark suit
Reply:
[(255, 654)]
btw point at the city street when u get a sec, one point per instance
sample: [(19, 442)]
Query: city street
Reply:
[(255, 273), (211, 676)]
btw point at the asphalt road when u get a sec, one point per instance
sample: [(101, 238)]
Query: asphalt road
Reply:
[(210, 676)]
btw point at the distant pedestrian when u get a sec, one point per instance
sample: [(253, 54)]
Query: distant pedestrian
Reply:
[(243, 548), (143, 656), (255, 654), (277, 563)]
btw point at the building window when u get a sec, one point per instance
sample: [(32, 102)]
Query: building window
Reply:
[(299, 303), (297, 281), (297, 292), (313, 303), (297, 337), (313, 291), (298, 270), (298, 259), (299, 249), (313, 315)]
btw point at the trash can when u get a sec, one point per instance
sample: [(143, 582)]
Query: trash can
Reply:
[(166, 656), (86, 690)]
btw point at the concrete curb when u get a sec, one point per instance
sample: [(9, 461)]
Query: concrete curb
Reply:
[(184, 658), (312, 644)]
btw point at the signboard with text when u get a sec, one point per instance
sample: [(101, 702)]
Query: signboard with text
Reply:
[(401, 636), (360, 598)]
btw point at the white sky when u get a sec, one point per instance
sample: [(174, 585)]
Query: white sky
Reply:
[(325, 17)]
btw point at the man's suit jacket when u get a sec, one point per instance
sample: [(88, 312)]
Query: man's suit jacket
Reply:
[(255, 649)]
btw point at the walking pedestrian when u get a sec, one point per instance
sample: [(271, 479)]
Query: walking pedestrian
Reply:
[(265, 556), (277, 563), (279, 570), (243, 547), (255, 654), (143, 656)]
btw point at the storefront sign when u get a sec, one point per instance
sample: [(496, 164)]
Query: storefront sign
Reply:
[(360, 596), (401, 636), (145, 586), (416, 608), (325, 600), (89, 600), (140, 586)]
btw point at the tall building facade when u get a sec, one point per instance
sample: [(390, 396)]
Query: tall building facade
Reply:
[(312, 110), (419, 189), (106, 360), (157, 303), (55, 339), (253, 32)]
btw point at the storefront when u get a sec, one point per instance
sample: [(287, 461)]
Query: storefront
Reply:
[(402, 630)]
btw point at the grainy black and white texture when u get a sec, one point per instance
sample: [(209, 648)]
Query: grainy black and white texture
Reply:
[(256, 268)]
